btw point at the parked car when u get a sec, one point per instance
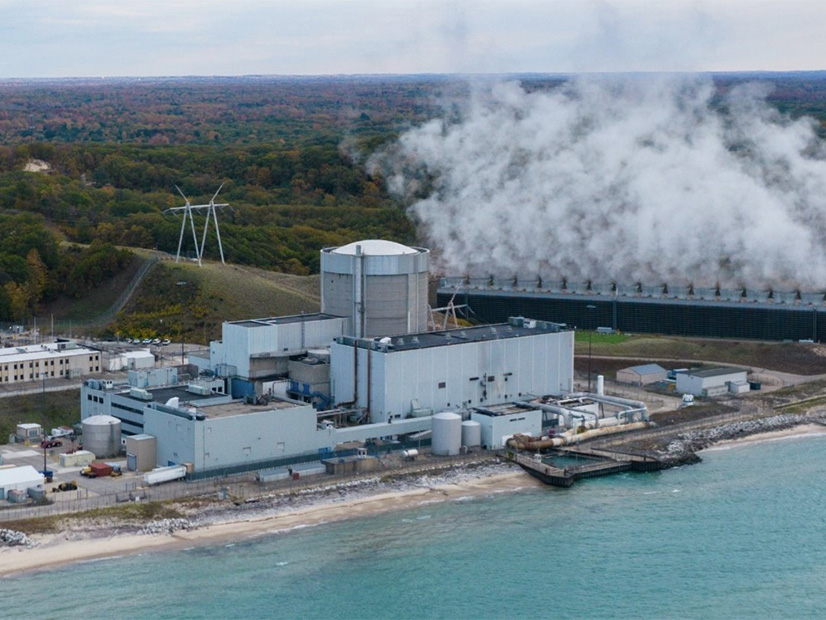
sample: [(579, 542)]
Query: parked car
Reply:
[(156, 341), (50, 443), (147, 341), (165, 341), (128, 341)]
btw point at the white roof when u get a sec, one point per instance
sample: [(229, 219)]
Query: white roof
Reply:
[(139, 354), (22, 474), (376, 247), (39, 351)]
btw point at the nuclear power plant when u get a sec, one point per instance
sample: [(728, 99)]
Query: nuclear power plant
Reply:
[(276, 392)]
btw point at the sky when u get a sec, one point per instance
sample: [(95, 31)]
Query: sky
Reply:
[(97, 38)]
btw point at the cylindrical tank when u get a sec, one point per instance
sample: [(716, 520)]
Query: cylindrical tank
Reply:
[(471, 434), (446, 434), (101, 435), (600, 385), (380, 286)]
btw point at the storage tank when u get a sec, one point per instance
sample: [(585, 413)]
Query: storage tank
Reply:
[(471, 434), (379, 286), (101, 435), (447, 434)]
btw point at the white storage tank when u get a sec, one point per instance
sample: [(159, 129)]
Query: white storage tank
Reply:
[(471, 434), (446, 434), (379, 286), (101, 435)]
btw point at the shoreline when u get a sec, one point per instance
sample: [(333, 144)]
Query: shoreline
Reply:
[(219, 524), (53, 550)]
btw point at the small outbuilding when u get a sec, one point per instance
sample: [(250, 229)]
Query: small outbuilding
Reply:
[(711, 381), (644, 374), (19, 479)]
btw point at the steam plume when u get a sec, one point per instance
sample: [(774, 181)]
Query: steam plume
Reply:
[(635, 179)]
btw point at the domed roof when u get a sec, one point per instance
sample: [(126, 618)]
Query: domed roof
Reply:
[(376, 247), (97, 420)]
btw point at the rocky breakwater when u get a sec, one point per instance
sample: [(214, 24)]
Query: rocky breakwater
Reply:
[(683, 450), (167, 526), (13, 538)]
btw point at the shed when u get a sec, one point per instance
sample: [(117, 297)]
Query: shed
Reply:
[(643, 374), (141, 452), (711, 381), (29, 431), (19, 479)]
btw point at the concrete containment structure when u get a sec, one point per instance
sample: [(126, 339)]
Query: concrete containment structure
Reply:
[(379, 286)]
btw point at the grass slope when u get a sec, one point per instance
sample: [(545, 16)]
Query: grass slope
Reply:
[(50, 410), (183, 297), (793, 357)]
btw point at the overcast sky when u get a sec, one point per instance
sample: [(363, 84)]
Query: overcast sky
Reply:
[(67, 38)]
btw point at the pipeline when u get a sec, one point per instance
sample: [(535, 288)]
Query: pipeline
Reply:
[(526, 442)]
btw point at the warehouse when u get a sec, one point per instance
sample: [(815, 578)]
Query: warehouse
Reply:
[(419, 374), (712, 381), (62, 358), (644, 374), (19, 479), (716, 313)]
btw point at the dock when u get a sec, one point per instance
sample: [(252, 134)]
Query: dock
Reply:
[(601, 463)]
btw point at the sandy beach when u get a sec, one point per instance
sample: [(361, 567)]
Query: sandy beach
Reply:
[(224, 524), (53, 550)]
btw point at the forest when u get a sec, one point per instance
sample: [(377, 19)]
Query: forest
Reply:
[(97, 162)]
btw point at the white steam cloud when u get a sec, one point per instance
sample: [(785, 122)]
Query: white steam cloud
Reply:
[(634, 179)]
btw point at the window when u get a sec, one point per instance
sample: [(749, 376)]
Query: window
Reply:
[(442, 384), (491, 378)]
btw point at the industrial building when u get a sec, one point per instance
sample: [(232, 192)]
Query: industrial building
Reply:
[(282, 390), (713, 381), (501, 422), (380, 287), (661, 309), (62, 358), (19, 479), (424, 373), (644, 374)]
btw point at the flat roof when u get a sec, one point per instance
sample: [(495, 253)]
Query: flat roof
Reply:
[(241, 407), (515, 328), (503, 409), (283, 320), (40, 351), (716, 372)]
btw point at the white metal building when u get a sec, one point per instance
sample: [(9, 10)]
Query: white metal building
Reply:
[(379, 286), (19, 479), (51, 360), (644, 374), (711, 382), (419, 374), (256, 348), (501, 423)]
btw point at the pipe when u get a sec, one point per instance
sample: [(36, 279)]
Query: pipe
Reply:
[(525, 442)]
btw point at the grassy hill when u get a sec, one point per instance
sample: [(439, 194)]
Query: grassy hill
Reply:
[(171, 299), (185, 298)]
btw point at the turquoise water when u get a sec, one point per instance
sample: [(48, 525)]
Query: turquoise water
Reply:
[(742, 535)]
